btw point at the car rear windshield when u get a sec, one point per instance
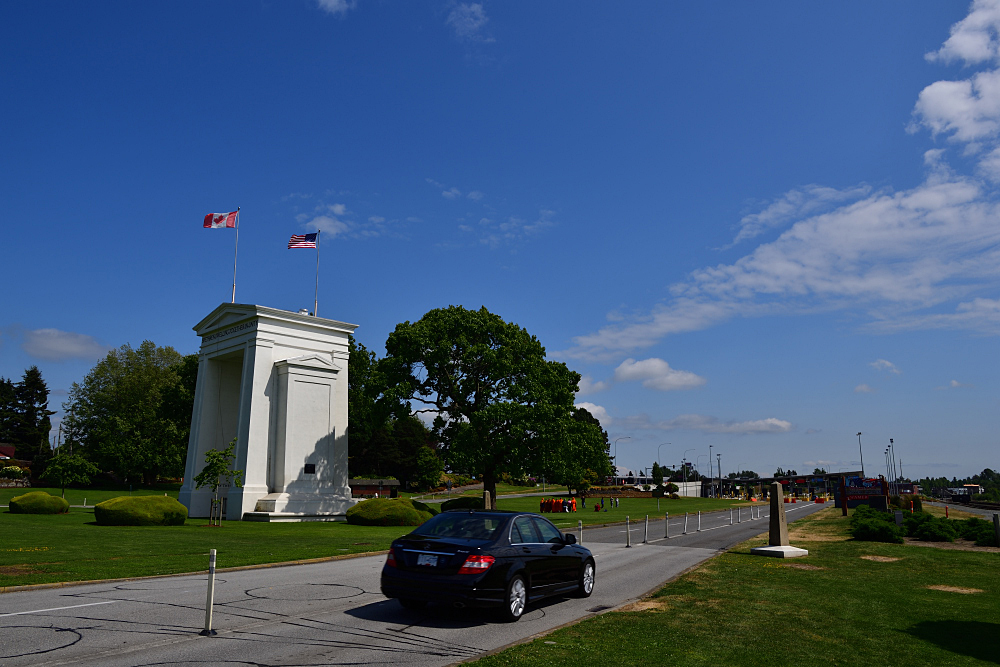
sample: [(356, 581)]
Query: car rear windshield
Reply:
[(464, 526)]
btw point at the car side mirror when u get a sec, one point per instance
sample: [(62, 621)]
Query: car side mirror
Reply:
[(569, 538)]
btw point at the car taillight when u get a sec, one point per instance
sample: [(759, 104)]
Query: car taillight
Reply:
[(390, 559), (476, 564)]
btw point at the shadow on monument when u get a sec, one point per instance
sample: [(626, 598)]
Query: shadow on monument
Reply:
[(975, 639)]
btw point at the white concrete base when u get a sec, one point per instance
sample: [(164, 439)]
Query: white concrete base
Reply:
[(779, 552), (281, 517), (309, 504)]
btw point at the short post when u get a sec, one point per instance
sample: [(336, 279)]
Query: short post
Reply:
[(739, 515), (996, 527), (666, 525), (685, 523), (208, 631), (645, 531), (84, 501), (657, 504), (699, 521), (628, 533), (946, 511), (730, 516), (579, 527)]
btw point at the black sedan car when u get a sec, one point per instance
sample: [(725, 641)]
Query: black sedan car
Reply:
[(486, 558)]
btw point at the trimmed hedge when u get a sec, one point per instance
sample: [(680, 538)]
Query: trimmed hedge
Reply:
[(38, 502), (389, 512), (463, 503), (872, 525), (140, 511)]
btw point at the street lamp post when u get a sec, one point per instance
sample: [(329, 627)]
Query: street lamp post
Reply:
[(711, 476), (718, 458), (892, 453), (658, 483), (684, 467), (862, 456)]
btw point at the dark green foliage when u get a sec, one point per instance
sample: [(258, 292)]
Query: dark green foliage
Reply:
[(38, 502), (977, 530), (24, 417), (65, 469), (463, 503), (872, 525), (928, 528), (388, 512), (140, 511), (131, 415), (423, 507), (501, 406)]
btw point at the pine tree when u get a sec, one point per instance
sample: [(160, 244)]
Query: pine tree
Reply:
[(31, 436), (8, 411)]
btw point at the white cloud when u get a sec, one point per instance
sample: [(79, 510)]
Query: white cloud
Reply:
[(337, 209), (328, 225), (883, 365), (475, 195), (707, 424), (336, 7), (467, 20), (376, 219), (451, 193), (657, 374), (974, 38), (56, 345), (598, 411), (954, 384), (863, 389), (795, 204), (588, 386)]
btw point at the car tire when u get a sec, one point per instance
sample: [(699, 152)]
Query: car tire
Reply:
[(587, 580), (515, 600), (409, 603)]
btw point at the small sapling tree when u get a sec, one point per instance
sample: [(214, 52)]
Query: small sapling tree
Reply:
[(64, 469), (219, 466)]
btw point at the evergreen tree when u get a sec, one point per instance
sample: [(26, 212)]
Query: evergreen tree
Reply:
[(8, 411), (32, 426)]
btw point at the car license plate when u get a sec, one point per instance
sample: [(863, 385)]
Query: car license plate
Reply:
[(427, 559)]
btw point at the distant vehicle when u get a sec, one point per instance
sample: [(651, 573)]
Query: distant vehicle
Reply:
[(491, 558)]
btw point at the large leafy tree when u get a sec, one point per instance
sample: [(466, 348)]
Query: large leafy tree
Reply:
[(132, 412), (499, 405)]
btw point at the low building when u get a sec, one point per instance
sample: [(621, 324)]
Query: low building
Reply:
[(369, 488)]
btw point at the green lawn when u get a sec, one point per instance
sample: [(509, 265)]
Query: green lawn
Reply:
[(70, 547), (635, 508), (92, 496), (830, 607)]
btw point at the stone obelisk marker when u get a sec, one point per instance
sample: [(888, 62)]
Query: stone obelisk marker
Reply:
[(777, 543)]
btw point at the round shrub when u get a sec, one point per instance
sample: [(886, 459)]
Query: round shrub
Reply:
[(463, 503), (38, 502), (422, 507), (936, 530), (387, 512), (140, 511)]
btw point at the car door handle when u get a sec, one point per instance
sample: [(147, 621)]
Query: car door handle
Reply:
[(526, 550)]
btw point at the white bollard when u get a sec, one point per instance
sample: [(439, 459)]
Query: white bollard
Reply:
[(666, 525), (685, 523), (628, 533), (699, 521), (208, 631), (730, 516), (84, 502), (739, 515), (579, 526), (645, 531)]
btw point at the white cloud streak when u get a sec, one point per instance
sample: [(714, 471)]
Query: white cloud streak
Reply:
[(706, 424), (864, 389), (656, 374), (336, 7), (56, 345), (883, 365), (467, 21)]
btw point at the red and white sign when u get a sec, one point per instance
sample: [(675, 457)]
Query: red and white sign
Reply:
[(217, 220)]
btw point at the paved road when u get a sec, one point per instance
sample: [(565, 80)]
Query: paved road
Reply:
[(327, 613)]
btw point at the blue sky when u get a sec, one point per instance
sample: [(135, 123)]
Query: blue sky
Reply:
[(762, 227)]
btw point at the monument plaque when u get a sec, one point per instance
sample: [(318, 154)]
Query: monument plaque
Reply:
[(276, 381)]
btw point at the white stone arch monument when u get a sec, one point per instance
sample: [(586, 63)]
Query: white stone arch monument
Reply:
[(277, 382)]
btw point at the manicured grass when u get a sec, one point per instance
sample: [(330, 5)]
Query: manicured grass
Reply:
[(93, 496), (830, 607), (635, 508), (70, 547)]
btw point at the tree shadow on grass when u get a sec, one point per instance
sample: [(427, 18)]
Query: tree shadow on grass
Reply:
[(975, 639)]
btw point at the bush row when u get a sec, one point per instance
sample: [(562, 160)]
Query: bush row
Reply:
[(876, 526)]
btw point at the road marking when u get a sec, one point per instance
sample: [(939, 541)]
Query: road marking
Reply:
[(74, 606)]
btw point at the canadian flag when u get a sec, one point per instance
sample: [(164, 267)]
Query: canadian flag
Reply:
[(216, 220)]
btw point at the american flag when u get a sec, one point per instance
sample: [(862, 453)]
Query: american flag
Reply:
[(302, 241)]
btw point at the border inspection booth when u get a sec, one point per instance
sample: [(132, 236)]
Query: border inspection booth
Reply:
[(276, 381)]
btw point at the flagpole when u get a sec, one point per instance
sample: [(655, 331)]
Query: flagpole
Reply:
[(316, 301), (236, 252)]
